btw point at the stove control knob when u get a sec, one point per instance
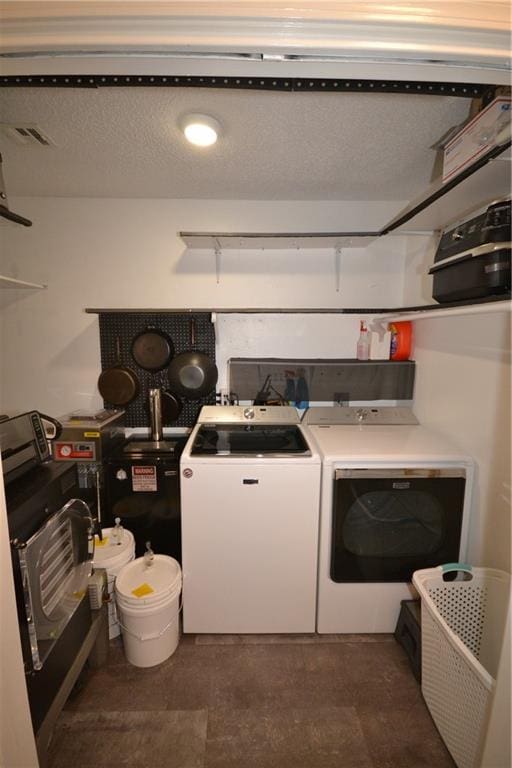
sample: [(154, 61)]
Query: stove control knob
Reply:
[(249, 413), (121, 474)]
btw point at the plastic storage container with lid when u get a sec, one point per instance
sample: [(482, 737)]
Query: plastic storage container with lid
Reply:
[(112, 553), (401, 340), (148, 600)]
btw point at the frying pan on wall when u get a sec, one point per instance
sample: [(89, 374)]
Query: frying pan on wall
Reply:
[(152, 349), (192, 374), (171, 406), (118, 384)]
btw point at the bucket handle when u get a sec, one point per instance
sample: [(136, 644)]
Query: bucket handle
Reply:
[(143, 638)]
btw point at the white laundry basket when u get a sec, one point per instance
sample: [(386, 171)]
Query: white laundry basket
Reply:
[(148, 604), (462, 628), (113, 554)]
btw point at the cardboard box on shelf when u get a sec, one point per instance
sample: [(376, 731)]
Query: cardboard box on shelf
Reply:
[(477, 137)]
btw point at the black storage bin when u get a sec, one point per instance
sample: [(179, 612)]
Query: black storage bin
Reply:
[(472, 277), (408, 633)]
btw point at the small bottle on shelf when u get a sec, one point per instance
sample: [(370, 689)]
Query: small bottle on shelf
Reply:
[(363, 343)]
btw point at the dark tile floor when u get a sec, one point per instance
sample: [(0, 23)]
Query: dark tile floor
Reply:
[(231, 701)]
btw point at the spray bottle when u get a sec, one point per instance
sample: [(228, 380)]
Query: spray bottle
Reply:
[(363, 343)]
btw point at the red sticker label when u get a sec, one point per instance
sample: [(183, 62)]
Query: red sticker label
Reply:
[(73, 451), (144, 478)]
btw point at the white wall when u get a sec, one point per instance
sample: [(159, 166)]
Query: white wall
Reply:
[(126, 253), (463, 390)]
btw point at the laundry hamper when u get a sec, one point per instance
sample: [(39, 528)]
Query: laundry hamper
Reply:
[(462, 628)]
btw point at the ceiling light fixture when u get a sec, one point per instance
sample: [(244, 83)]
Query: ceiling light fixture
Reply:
[(201, 130)]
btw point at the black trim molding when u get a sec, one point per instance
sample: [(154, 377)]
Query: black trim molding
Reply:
[(296, 84)]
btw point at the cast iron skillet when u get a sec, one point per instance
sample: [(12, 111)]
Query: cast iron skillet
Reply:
[(171, 407), (118, 384), (152, 349), (192, 374)]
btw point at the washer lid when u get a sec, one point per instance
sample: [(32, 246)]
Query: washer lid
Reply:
[(263, 440)]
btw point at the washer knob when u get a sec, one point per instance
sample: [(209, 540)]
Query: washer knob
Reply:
[(248, 413), (121, 474)]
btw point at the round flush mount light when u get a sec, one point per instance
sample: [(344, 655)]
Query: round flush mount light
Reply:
[(201, 130)]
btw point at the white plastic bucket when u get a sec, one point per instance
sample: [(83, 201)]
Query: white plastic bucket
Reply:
[(113, 557), (148, 604)]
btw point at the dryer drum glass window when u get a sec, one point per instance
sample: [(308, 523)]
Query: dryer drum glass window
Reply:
[(389, 523)]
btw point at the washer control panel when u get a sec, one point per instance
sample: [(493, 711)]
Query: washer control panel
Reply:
[(251, 414)]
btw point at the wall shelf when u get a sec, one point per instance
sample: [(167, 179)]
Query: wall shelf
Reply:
[(360, 311), (487, 308), (440, 205), (11, 282), (443, 204), (265, 240)]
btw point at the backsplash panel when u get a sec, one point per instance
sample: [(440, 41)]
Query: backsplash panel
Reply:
[(326, 380)]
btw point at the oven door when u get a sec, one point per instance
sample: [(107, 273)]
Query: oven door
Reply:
[(55, 564), (387, 523)]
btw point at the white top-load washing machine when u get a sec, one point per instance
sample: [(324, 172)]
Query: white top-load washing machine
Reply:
[(395, 498), (250, 491)]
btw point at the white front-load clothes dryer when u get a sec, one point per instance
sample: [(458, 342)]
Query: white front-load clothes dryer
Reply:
[(395, 498)]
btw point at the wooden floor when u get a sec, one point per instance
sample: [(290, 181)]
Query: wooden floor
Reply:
[(229, 701)]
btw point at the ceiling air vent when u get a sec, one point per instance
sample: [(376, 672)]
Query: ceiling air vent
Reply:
[(26, 133)]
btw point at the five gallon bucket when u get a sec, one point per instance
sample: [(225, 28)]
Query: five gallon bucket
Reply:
[(113, 553), (148, 604)]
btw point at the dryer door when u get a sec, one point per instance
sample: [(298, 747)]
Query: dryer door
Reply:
[(388, 523)]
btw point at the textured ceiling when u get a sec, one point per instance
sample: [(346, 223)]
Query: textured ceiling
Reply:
[(126, 142)]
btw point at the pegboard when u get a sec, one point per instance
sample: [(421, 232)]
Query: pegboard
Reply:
[(125, 326)]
